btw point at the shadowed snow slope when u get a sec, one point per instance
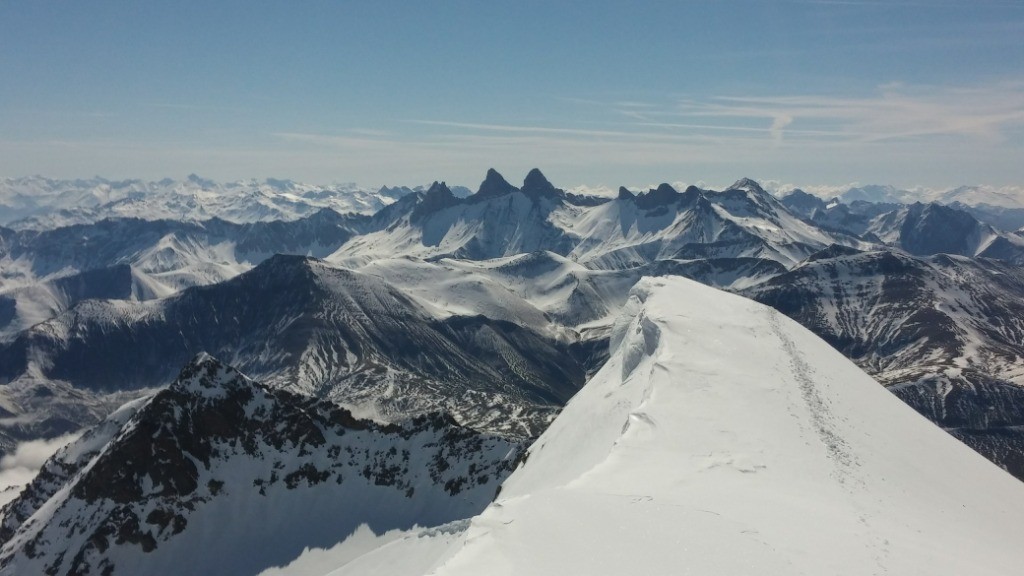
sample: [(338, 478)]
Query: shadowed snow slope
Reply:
[(723, 438)]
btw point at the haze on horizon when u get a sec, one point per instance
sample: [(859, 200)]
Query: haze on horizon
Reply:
[(906, 92)]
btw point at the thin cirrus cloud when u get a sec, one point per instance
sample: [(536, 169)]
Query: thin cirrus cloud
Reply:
[(900, 133), (486, 142), (894, 113), (960, 134)]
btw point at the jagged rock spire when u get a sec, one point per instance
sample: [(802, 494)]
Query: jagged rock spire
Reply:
[(437, 197), (494, 185), (536, 185), (747, 184), (663, 195)]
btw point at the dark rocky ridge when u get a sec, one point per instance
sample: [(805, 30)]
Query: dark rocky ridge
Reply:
[(493, 186), (149, 479)]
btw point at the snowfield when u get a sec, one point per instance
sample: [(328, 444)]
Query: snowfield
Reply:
[(723, 438)]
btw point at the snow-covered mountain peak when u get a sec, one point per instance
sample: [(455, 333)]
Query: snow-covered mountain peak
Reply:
[(208, 378), (748, 185), (933, 228), (804, 204), (724, 438), (753, 192), (199, 180)]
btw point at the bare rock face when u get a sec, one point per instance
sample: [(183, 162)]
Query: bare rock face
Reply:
[(137, 492), (493, 186)]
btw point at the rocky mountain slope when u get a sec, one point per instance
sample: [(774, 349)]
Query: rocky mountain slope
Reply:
[(45, 273), (920, 229), (219, 474), (301, 324)]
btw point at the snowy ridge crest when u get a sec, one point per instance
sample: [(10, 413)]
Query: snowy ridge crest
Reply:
[(206, 377), (726, 438), (634, 335)]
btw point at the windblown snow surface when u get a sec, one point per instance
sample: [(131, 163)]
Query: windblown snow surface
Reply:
[(723, 438)]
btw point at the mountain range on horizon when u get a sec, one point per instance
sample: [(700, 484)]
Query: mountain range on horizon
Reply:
[(45, 203), (462, 327)]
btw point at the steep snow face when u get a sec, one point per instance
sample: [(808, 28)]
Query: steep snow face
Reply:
[(723, 438), (539, 290), (220, 475)]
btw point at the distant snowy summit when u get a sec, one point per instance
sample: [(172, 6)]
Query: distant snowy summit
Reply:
[(1002, 207), (36, 202), (1011, 197), (41, 203)]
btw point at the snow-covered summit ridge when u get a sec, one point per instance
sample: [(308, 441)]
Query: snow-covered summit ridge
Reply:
[(724, 438), (208, 378)]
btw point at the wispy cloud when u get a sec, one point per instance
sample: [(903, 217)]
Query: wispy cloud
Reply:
[(369, 132), (899, 133), (894, 112), (942, 132), (550, 130)]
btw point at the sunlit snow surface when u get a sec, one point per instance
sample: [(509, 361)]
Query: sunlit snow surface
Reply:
[(723, 438)]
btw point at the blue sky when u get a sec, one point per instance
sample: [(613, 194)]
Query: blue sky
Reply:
[(601, 93)]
